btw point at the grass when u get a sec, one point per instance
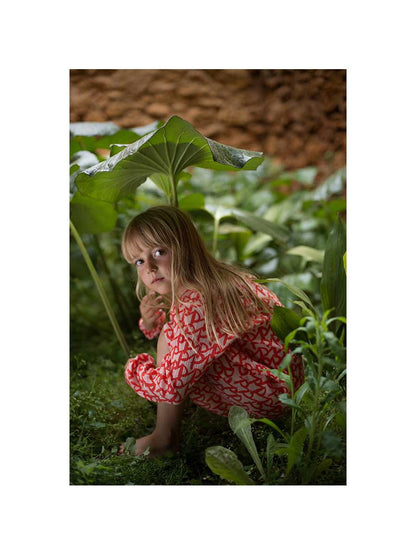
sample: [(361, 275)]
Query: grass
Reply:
[(105, 411)]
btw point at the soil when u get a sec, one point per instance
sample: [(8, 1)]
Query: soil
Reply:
[(297, 117)]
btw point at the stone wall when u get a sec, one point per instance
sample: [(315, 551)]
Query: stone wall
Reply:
[(298, 117)]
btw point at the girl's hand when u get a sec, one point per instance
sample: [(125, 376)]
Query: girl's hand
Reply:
[(150, 309)]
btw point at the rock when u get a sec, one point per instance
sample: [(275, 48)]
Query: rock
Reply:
[(294, 116), (157, 110)]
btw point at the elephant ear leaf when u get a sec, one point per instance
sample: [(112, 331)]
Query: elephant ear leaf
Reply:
[(229, 158), (164, 152), (92, 216)]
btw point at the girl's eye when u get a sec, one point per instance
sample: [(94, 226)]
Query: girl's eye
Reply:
[(158, 253), (139, 262)]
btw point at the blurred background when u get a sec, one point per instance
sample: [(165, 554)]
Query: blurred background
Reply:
[(296, 117)]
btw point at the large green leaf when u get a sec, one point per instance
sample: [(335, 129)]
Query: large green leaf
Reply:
[(295, 447), (166, 151), (240, 423), (279, 233), (80, 161), (284, 321), (298, 292), (92, 136), (92, 216), (226, 464), (309, 253), (333, 284)]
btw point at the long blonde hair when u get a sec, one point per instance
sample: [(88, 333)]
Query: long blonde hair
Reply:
[(228, 298)]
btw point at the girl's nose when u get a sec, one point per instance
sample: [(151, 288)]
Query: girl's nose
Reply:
[(151, 266)]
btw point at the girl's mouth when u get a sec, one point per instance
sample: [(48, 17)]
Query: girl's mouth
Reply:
[(156, 280)]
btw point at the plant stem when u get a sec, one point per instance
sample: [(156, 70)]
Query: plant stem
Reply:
[(118, 297), (315, 409), (292, 394), (100, 289), (174, 195)]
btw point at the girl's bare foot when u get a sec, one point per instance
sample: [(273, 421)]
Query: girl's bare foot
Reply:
[(155, 445), (165, 437)]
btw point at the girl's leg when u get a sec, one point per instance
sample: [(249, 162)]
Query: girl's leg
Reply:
[(166, 434), (168, 422)]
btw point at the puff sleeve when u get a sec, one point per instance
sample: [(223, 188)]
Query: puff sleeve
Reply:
[(151, 334)]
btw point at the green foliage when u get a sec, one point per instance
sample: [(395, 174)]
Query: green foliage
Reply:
[(293, 241), (316, 438), (317, 428)]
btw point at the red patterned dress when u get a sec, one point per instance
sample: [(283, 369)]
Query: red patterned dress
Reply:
[(216, 376)]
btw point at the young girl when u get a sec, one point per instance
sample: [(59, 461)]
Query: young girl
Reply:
[(217, 347)]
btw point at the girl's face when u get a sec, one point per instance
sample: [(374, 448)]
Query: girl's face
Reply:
[(154, 268)]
